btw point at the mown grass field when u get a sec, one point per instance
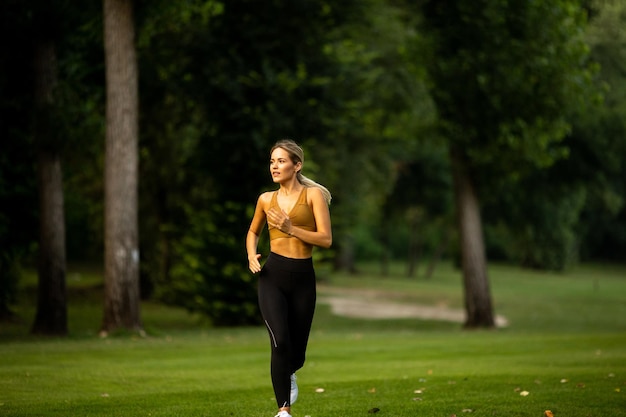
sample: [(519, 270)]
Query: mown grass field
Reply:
[(564, 350)]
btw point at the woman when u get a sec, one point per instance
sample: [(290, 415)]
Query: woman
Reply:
[(298, 219)]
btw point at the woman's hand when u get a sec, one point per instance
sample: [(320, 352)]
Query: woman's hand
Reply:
[(253, 263), (279, 219)]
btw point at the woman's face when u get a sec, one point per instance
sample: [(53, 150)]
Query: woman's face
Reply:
[(282, 168)]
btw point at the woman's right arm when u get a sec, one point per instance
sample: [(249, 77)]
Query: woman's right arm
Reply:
[(254, 263), (252, 238)]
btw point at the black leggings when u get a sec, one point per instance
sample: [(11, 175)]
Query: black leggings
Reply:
[(287, 302)]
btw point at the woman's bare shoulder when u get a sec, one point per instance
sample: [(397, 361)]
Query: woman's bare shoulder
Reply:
[(266, 197), (314, 193)]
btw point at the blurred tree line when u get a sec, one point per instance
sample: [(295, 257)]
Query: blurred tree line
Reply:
[(397, 104)]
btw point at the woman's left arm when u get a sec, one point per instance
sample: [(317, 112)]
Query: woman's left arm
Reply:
[(323, 236)]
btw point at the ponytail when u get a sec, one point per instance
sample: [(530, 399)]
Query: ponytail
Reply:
[(307, 182)]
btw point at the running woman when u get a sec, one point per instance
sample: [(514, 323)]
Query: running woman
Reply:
[(298, 219)]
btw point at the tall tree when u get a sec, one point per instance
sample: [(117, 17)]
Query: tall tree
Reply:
[(121, 263), (51, 316), (502, 74), (478, 305)]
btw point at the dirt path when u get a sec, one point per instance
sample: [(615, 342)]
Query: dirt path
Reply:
[(378, 304)]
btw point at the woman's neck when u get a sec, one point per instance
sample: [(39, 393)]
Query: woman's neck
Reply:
[(290, 187)]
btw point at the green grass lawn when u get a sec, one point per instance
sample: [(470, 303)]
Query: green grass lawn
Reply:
[(564, 351)]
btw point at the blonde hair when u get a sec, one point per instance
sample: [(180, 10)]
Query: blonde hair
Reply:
[(296, 154)]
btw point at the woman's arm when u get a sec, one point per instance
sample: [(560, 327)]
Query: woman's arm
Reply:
[(322, 237), (254, 263), (252, 237)]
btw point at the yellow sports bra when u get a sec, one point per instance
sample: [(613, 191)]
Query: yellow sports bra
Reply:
[(300, 215)]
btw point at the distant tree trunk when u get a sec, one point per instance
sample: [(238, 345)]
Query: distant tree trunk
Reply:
[(121, 263), (384, 240), (414, 217), (8, 280), (344, 261), (434, 261), (473, 260), (51, 315)]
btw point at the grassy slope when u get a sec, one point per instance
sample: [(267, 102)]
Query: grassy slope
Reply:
[(566, 347)]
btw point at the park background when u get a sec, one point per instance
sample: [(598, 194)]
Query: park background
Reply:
[(467, 144)]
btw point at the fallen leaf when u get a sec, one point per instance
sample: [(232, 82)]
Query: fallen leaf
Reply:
[(417, 399), (548, 413), (372, 390)]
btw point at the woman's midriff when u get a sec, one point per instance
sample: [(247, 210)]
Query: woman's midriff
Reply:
[(291, 248)]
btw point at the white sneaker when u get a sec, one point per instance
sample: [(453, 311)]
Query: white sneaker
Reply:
[(294, 389), (283, 414)]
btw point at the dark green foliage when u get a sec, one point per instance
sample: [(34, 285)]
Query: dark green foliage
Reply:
[(534, 231), (222, 83), (421, 201), (18, 187), (598, 140), (507, 76), (205, 276), (504, 74), (573, 209)]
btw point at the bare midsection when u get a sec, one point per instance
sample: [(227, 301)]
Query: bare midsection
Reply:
[(291, 247)]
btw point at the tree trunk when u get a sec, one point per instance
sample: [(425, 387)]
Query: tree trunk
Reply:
[(434, 261), (415, 245), (344, 261), (8, 280), (476, 283), (51, 315), (121, 263), (384, 261)]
